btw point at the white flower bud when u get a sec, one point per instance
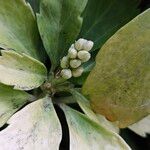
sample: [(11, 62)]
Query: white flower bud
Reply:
[(77, 72), (66, 73), (88, 45), (64, 62), (72, 46), (84, 56), (72, 53), (75, 63), (79, 44)]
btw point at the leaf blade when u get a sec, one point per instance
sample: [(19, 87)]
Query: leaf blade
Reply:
[(119, 85), (36, 127), (21, 71), (59, 23), (86, 107), (86, 134), (10, 101), (18, 29)]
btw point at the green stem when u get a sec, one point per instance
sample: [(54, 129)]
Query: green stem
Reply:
[(58, 81), (74, 90)]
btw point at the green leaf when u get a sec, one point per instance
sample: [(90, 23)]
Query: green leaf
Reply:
[(35, 127), (10, 101), (59, 24), (118, 86), (85, 106), (21, 71), (142, 127), (18, 28), (88, 135), (102, 18)]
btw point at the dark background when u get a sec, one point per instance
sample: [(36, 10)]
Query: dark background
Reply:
[(144, 4), (134, 141)]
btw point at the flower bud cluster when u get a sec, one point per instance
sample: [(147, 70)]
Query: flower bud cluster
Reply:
[(78, 53)]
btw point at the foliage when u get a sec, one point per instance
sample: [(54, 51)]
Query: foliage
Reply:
[(115, 94)]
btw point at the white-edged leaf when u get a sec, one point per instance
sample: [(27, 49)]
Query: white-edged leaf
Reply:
[(35, 127), (21, 71), (141, 127), (86, 134), (10, 101), (18, 28)]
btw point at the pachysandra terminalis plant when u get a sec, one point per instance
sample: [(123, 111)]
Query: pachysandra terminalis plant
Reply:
[(112, 90)]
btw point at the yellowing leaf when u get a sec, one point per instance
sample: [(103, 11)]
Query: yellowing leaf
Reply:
[(88, 135), (85, 106), (18, 29), (10, 101), (21, 71), (35, 127), (119, 85)]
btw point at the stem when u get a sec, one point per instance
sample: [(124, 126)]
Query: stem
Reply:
[(58, 81), (64, 88), (74, 90)]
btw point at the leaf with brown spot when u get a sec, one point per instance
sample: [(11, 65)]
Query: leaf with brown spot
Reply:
[(119, 86), (85, 106)]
